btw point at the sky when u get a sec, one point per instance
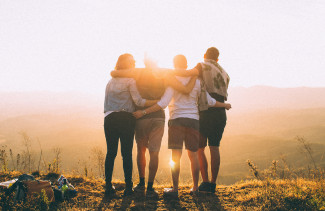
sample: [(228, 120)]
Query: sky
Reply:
[(72, 45)]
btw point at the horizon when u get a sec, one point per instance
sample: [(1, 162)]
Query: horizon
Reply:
[(92, 92)]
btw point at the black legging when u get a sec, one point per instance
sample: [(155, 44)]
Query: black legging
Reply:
[(119, 125)]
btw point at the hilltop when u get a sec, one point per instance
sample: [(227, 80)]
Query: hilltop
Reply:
[(298, 194)]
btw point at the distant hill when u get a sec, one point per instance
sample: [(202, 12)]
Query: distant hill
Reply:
[(261, 126), (265, 97), (278, 122), (26, 103), (242, 99)]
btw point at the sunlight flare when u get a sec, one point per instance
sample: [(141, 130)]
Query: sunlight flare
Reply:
[(171, 163)]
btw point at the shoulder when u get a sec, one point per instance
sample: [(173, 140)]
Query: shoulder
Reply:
[(199, 66), (125, 81), (130, 80)]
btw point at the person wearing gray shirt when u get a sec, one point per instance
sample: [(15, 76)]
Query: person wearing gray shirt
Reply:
[(121, 96)]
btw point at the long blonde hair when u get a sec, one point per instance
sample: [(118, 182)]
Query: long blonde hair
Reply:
[(125, 61)]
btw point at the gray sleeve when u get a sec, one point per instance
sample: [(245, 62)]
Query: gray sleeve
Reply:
[(106, 97)]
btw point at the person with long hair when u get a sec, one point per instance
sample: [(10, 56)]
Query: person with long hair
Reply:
[(121, 96)]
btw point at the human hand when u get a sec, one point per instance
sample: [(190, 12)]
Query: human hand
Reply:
[(149, 63), (228, 106), (138, 114)]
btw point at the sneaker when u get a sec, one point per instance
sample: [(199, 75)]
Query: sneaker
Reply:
[(110, 191), (169, 192), (205, 187), (152, 193), (213, 187), (139, 188)]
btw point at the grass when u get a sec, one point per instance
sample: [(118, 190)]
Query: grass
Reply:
[(269, 194)]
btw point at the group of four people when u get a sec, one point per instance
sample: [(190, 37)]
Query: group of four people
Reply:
[(134, 103)]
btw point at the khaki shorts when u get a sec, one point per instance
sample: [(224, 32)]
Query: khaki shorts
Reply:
[(149, 133)]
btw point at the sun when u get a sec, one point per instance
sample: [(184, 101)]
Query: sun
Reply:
[(171, 163)]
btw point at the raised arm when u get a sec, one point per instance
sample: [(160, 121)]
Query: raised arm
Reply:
[(173, 82)]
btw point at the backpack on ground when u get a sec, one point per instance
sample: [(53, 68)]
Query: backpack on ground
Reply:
[(26, 186), (31, 187)]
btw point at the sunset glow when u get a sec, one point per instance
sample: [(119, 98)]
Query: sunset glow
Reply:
[(72, 45), (179, 104), (171, 163)]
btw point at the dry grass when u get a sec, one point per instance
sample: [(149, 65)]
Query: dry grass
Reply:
[(296, 194)]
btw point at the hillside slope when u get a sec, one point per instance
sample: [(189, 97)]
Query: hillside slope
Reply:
[(298, 194)]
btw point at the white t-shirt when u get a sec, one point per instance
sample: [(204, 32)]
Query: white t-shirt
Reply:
[(182, 105)]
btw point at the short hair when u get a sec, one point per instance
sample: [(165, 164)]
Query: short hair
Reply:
[(212, 53), (125, 61), (180, 61)]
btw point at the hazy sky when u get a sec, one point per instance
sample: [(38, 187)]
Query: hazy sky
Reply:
[(73, 44)]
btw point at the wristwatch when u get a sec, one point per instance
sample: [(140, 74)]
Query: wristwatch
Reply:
[(144, 112)]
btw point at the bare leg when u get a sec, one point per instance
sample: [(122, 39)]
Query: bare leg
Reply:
[(215, 163), (195, 167), (141, 160), (176, 157), (203, 165), (153, 165)]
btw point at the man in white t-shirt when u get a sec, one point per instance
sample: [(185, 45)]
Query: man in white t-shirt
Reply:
[(183, 125), (212, 120)]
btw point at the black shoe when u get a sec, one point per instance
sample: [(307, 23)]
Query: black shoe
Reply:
[(205, 187), (152, 193), (139, 188), (213, 187), (110, 191), (128, 190)]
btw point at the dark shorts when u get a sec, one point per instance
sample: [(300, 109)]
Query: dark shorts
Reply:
[(212, 125), (183, 130), (149, 133)]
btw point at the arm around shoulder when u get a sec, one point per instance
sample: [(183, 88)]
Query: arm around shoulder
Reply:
[(126, 73), (173, 82), (187, 73)]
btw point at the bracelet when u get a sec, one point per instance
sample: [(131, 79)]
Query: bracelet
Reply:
[(144, 112)]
